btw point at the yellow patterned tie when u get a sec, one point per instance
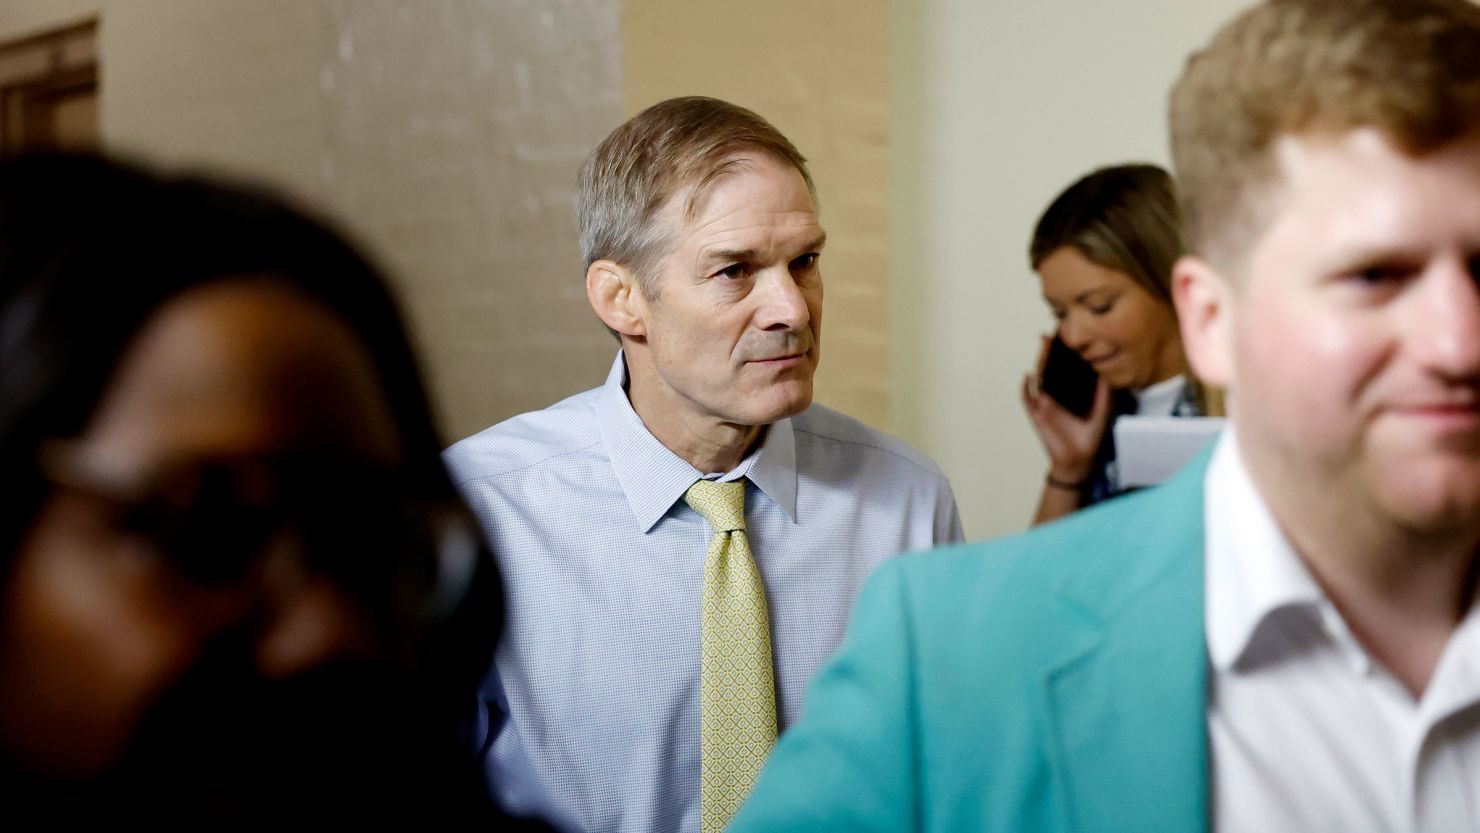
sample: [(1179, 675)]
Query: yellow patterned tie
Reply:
[(737, 686)]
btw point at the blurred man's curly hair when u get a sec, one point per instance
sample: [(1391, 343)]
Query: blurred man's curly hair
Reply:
[(1409, 68)]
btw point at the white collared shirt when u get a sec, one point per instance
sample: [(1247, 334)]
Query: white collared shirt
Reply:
[(1161, 398), (1308, 732)]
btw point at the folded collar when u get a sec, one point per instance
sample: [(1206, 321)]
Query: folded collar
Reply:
[(653, 478), (1253, 572)]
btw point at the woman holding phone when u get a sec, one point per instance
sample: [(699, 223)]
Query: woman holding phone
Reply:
[(1103, 251)]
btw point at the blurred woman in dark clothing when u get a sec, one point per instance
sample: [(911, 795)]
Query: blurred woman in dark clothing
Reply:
[(238, 586)]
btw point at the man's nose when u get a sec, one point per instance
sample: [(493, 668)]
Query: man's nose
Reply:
[(1445, 330), (783, 303)]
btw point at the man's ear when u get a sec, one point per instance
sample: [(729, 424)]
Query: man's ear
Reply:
[(1204, 300), (616, 295)]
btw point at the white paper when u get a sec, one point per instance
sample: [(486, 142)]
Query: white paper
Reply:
[(1150, 449)]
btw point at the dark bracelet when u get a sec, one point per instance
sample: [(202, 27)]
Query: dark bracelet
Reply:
[(1064, 484)]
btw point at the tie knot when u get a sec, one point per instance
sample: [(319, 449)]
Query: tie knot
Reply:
[(722, 504)]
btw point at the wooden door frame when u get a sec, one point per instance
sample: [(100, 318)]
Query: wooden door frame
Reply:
[(36, 72)]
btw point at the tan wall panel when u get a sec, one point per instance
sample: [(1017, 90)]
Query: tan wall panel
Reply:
[(820, 72)]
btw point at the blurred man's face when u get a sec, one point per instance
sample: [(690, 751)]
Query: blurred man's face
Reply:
[(734, 332), (1355, 338), (102, 617)]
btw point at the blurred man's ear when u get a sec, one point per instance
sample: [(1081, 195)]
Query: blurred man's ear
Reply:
[(616, 295), (1204, 300)]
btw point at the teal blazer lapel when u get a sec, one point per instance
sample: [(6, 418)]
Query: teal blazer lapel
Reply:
[(1126, 706)]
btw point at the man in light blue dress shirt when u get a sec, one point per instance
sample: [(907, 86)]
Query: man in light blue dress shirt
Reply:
[(699, 227)]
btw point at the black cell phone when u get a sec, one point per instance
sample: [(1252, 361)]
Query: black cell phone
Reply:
[(1069, 379)]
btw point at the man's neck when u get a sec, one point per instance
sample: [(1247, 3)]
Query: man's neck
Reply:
[(709, 447), (706, 442), (1403, 604), (1401, 593)]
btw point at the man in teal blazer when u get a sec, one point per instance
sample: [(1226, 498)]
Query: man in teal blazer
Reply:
[(1285, 636), (1052, 681)]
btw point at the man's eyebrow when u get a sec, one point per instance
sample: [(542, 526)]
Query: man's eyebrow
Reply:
[(1372, 254), (746, 255), (727, 255)]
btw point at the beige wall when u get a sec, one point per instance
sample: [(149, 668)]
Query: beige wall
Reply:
[(445, 133), (820, 72), (998, 106)]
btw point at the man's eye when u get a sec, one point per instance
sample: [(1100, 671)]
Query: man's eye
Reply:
[(806, 261), (734, 271), (1378, 283), (1377, 275), (1385, 273)]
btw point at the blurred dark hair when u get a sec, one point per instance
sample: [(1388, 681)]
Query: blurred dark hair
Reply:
[(92, 248)]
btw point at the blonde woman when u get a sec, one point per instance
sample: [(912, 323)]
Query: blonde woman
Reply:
[(1104, 250)]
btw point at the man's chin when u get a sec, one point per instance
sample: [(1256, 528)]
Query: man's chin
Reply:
[(778, 406), (1440, 501)]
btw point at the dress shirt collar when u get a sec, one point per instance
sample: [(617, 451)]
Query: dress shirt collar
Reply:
[(654, 478), (1253, 573)]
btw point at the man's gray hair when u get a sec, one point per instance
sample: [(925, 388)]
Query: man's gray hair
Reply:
[(681, 143)]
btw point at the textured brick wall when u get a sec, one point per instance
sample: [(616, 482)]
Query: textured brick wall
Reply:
[(454, 131), (446, 134), (820, 71)]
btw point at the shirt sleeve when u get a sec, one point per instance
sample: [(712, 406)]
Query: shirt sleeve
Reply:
[(947, 517), (851, 763), (511, 777)]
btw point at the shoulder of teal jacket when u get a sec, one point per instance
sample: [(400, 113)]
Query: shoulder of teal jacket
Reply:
[(936, 712), (1094, 562)]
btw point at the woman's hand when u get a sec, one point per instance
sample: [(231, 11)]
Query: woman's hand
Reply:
[(1071, 442)]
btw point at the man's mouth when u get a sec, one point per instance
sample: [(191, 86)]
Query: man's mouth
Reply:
[(1443, 415), (780, 361)]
